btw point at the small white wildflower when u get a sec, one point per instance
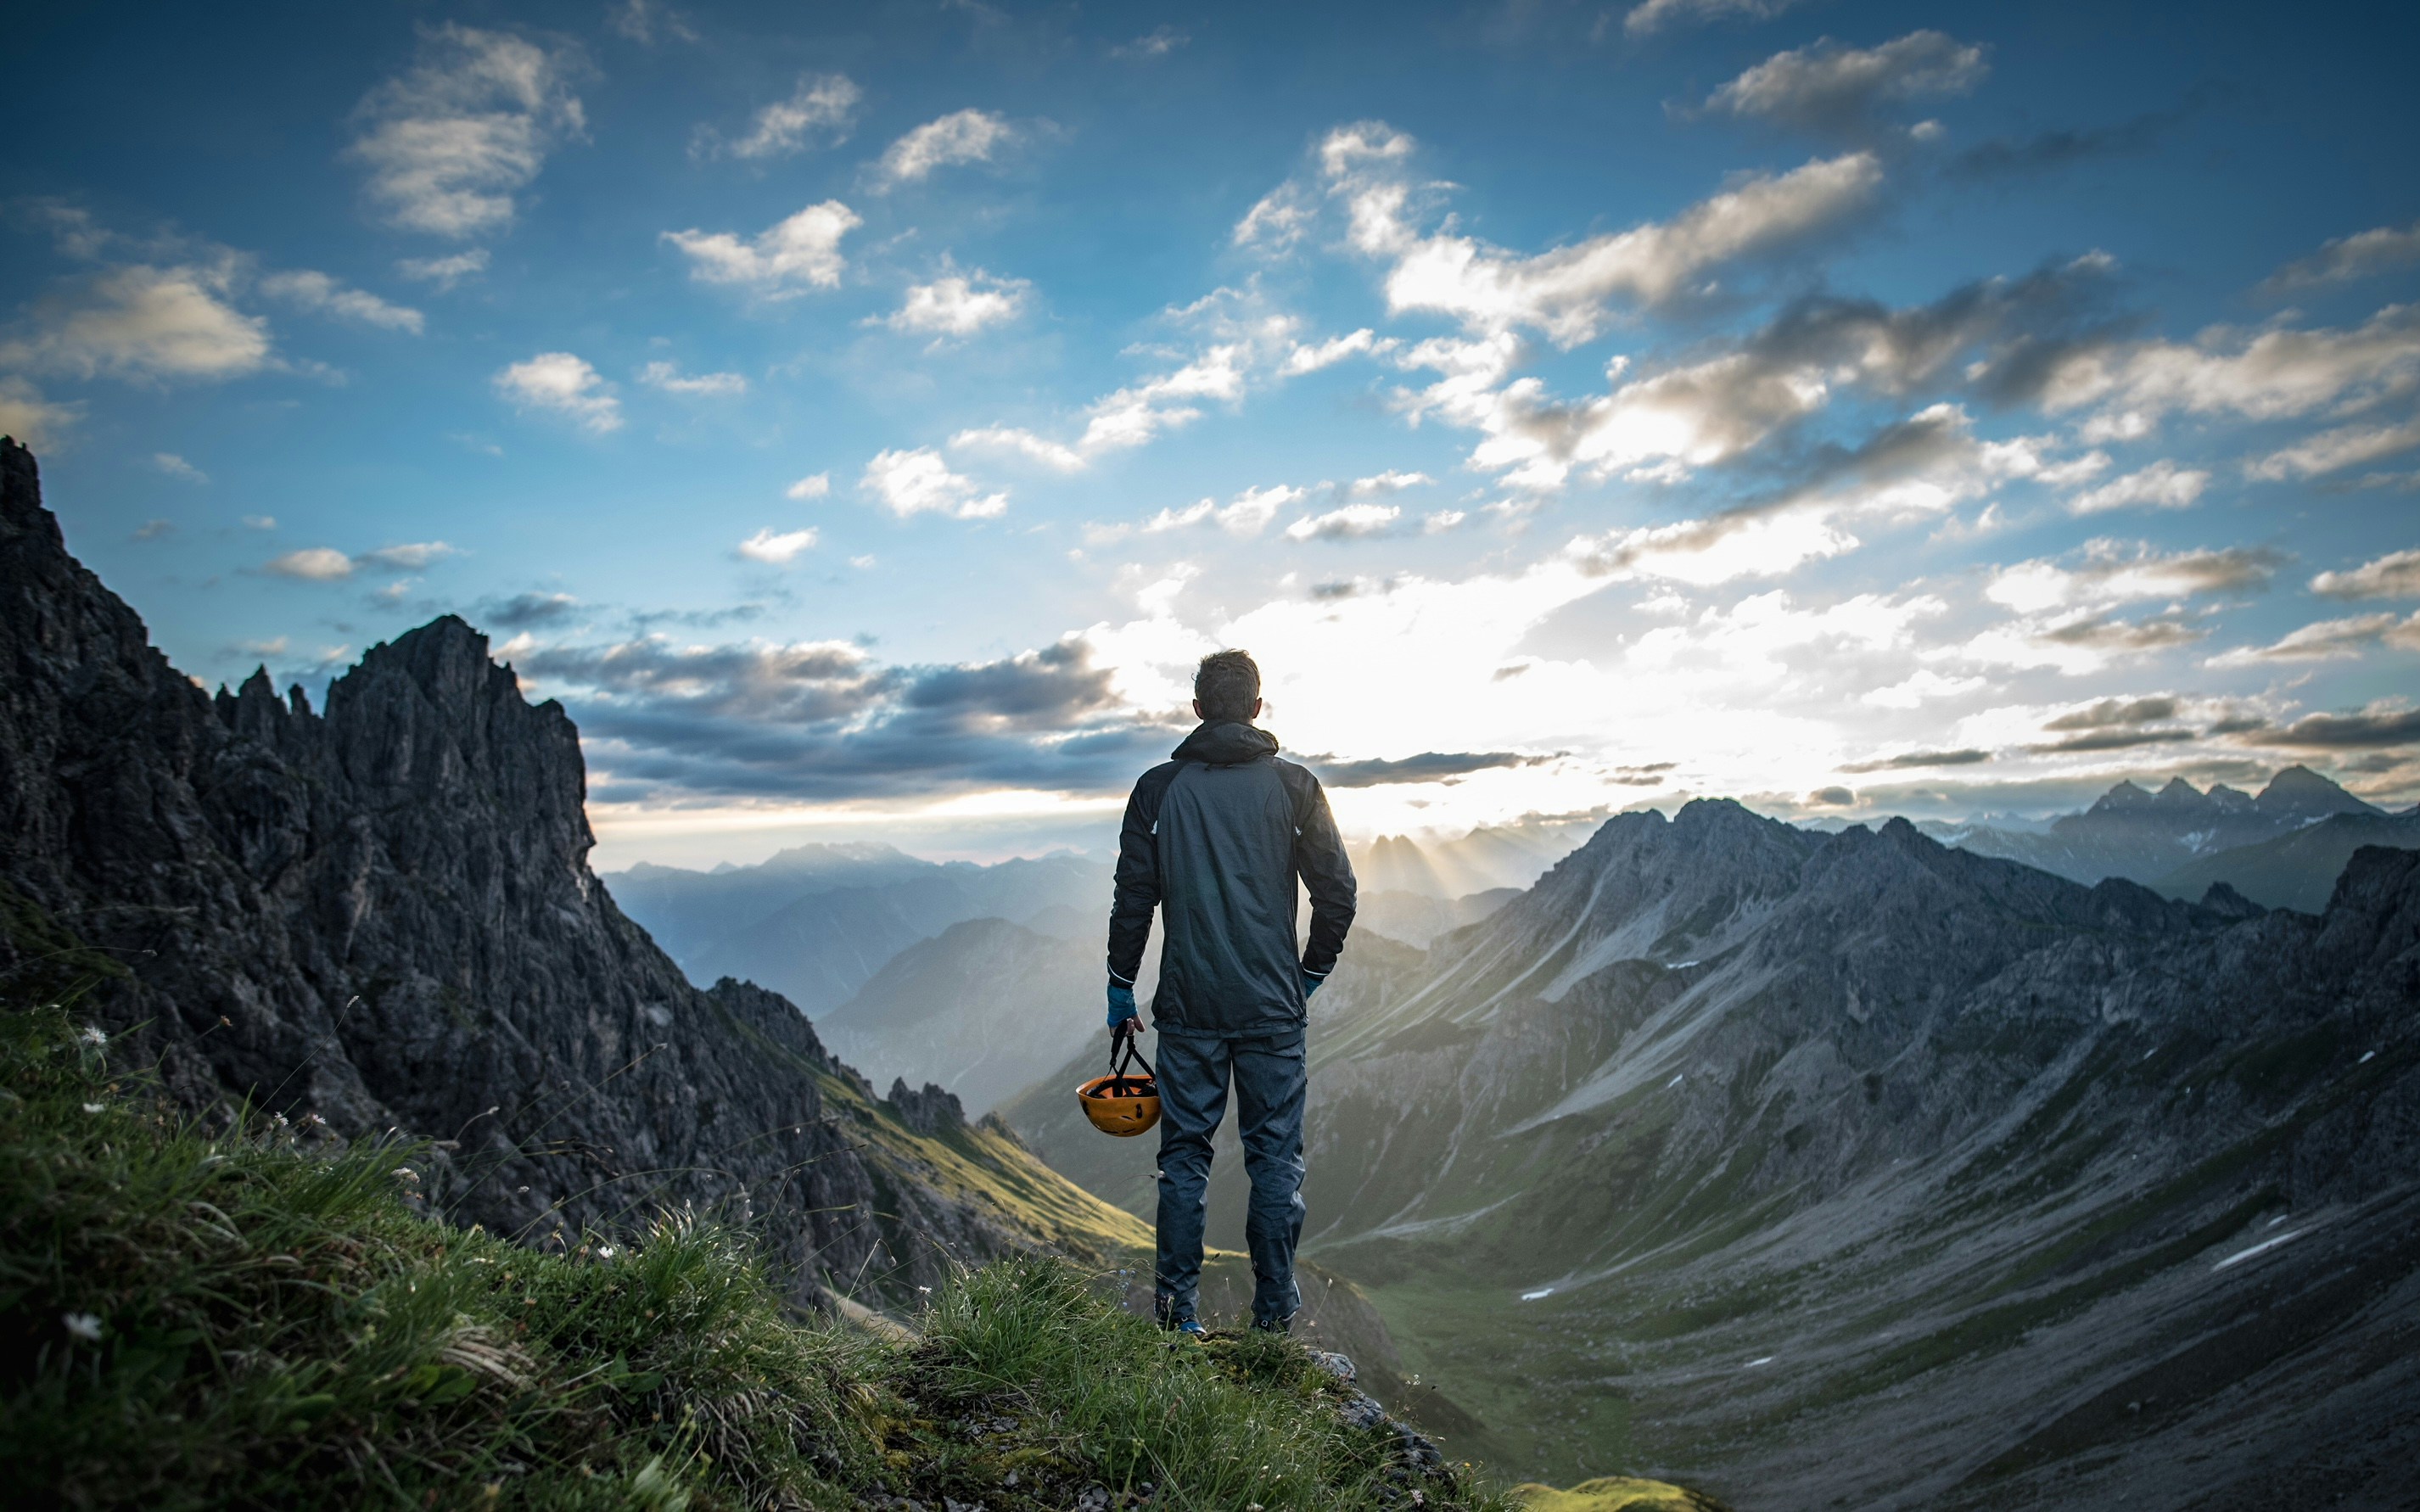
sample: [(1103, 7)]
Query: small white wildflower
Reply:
[(93, 1036), (604, 1252), (92, 1107), (405, 1173), (84, 1326)]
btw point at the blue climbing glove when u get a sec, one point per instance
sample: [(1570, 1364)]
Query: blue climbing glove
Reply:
[(1312, 984), (1122, 1004)]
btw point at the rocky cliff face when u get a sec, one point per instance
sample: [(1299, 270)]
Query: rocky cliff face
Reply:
[(382, 915)]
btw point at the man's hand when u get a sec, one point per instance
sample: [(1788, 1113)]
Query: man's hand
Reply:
[(1312, 984), (1122, 1009)]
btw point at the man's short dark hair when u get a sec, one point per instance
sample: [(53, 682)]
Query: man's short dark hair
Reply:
[(1227, 684)]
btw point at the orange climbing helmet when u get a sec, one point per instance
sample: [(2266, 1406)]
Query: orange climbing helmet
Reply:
[(1123, 1102)]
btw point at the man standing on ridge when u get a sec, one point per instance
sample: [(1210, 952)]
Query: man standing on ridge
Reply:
[(1216, 840)]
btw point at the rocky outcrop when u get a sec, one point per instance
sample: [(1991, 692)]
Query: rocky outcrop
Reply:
[(382, 915), (930, 1111)]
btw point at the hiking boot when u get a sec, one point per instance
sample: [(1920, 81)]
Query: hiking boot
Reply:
[(1273, 1325), (1189, 1327)]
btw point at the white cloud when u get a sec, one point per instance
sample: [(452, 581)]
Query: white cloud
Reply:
[(669, 377), (814, 486), (33, 419), (260, 523), (2330, 640), (325, 563), (450, 142), (1305, 358), (1656, 14), (1157, 43), (322, 295), (1570, 293), (1391, 481), (1920, 468), (1279, 219), (2396, 575), (2379, 250), (409, 557), (444, 271), (2077, 469), (823, 104), (2331, 449), (564, 384), (177, 466), (316, 563), (2161, 486), (1247, 513), (1917, 687), (1439, 521), (777, 549), (918, 481), (1349, 523), (959, 304), (2110, 572), (640, 20), (785, 260), (1827, 87), (1132, 416), (961, 136), (1024, 443), (2271, 374), (141, 322)]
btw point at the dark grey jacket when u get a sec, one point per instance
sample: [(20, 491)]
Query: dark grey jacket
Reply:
[(1216, 840)]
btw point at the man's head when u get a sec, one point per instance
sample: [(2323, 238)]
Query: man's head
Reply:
[(1227, 687)]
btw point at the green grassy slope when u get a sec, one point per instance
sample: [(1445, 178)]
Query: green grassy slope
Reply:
[(252, 1315)]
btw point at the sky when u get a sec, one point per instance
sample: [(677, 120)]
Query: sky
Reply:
[(862, 417)]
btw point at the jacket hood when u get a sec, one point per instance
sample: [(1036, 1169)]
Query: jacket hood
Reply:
[(1226, 743)]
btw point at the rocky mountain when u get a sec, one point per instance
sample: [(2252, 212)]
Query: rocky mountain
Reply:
[(985, 1008), (2143, 835), (379, 916), (816, 923), (1855, 1170), (2299, 868)]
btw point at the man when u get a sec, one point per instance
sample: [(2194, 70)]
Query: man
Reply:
[(1216, 840)]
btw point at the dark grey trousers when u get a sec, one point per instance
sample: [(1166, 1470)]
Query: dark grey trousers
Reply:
[(1270, 1083)]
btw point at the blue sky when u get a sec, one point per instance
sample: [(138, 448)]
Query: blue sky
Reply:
[(862, 416)]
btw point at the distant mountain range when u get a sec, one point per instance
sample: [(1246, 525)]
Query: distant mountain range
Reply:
[(816, 922), (2143, 835), (1856, 1170), (1491, 856)]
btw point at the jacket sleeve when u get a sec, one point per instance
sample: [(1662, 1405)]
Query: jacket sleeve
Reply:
[(1326, 875), (1138, 879)]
